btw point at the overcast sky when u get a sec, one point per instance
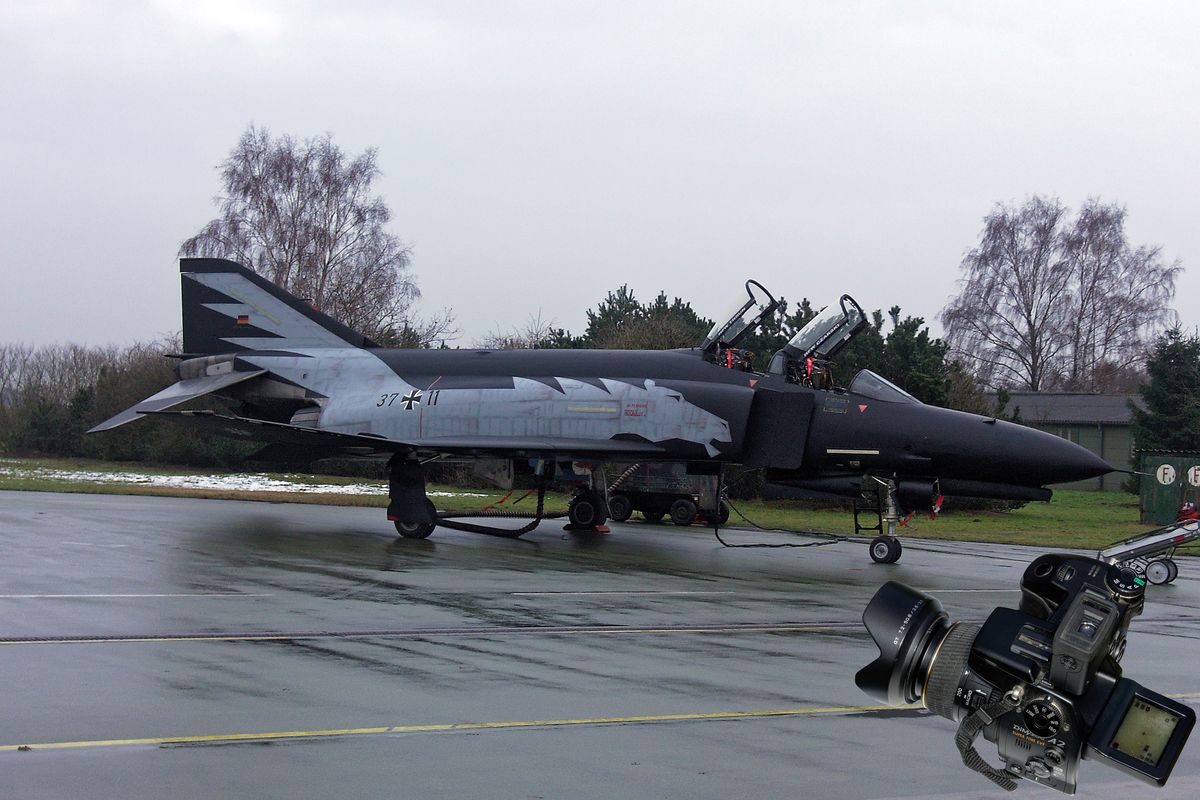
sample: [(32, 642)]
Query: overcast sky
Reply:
[(538, 154)]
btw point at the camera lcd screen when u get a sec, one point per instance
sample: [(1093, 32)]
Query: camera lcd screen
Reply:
[(1145, 731)]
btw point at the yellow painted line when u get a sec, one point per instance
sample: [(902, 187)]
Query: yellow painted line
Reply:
[(454, 726), (151, 640), (640, 719), (594, 409), (284, 637), (779, 629)]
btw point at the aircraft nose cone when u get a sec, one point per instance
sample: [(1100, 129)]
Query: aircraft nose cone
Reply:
[(1056, 460)]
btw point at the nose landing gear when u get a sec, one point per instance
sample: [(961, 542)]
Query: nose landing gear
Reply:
[(885, 548)]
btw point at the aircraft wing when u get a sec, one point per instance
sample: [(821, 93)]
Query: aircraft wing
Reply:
[(175, 394), (325, 442)]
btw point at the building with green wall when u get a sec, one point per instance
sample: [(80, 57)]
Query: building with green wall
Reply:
[(1099, 422)]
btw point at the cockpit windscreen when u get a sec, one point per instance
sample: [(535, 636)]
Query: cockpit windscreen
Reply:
[(877, 387)]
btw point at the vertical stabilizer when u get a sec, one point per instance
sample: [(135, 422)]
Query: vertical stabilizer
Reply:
[(227, 308)]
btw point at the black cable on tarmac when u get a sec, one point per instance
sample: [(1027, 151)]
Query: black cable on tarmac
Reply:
[(722, 493)]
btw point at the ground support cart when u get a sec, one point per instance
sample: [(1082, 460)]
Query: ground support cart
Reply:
[(1151, 554)]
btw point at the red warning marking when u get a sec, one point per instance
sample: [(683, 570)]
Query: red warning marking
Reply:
[(862, 407), (753, 382)]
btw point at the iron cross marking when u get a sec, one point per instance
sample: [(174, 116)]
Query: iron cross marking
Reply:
[(411, 399)]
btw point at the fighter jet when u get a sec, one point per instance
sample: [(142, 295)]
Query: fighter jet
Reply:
[(309, 386)]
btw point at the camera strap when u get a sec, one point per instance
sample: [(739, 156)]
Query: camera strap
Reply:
[(970, 729)]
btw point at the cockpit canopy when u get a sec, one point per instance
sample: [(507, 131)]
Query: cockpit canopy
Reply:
[(805, 359), (829, 331), (760, 305)]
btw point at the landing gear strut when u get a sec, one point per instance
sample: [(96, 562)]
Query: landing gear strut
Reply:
[(415, 516), (885, 547), (408, 507), (588, 509)]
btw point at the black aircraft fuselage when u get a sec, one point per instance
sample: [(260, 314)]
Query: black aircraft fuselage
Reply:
[(308, 385), (825, 440)]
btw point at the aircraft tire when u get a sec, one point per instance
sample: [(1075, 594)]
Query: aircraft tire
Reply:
[(683, 512), (1174, 569), (1158, 572), (653, 516), (885, 549), (620, 508), (418, 530), (723, 513), (584, 512)]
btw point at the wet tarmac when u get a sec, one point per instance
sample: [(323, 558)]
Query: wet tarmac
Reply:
[(160, 647)]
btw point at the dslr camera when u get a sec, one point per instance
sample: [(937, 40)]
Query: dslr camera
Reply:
[(1043, 682)]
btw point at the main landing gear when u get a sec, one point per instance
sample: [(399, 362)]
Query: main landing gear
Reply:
[(408, 507), (415, 516), (588, 509), (885, 547)]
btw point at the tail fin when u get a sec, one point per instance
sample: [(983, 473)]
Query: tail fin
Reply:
[(228, 308)]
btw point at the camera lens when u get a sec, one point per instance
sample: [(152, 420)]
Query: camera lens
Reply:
[(907, 627), (922, 655)]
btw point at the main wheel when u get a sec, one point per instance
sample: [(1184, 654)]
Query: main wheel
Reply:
[(723, 513), (418, 530), (885, 549), (683, 511), (653, 516), (1158, 571), (584, 511), (620, 507), (1174, 569)]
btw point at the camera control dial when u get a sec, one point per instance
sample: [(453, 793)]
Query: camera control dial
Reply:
[(1126, 583), (1043, 718)]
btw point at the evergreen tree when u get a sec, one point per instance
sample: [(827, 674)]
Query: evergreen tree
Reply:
[(622, 322), (1171, 420)]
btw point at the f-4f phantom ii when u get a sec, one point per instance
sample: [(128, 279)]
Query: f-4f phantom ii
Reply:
[(309, 386)]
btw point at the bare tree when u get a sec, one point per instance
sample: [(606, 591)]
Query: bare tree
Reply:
[(537, 332), (302, 215), (1120, 297), (1006, 322), (1046, 302)]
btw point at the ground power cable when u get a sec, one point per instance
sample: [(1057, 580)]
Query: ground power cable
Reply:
[(723, 492)]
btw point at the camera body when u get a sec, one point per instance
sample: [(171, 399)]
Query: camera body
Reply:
[(1043, 682)]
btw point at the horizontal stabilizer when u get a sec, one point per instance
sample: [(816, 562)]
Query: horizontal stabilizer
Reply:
[(175, 394), (326, 442)]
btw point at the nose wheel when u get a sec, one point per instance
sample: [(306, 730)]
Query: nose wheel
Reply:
[(885, 549), (884, 512)]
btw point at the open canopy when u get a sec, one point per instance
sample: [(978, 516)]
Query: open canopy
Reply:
[(829, 331), (752, 313)]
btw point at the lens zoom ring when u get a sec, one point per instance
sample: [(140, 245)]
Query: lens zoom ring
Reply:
[(947, 668)]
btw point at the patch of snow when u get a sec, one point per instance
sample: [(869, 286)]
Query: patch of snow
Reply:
[(250, 482)]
